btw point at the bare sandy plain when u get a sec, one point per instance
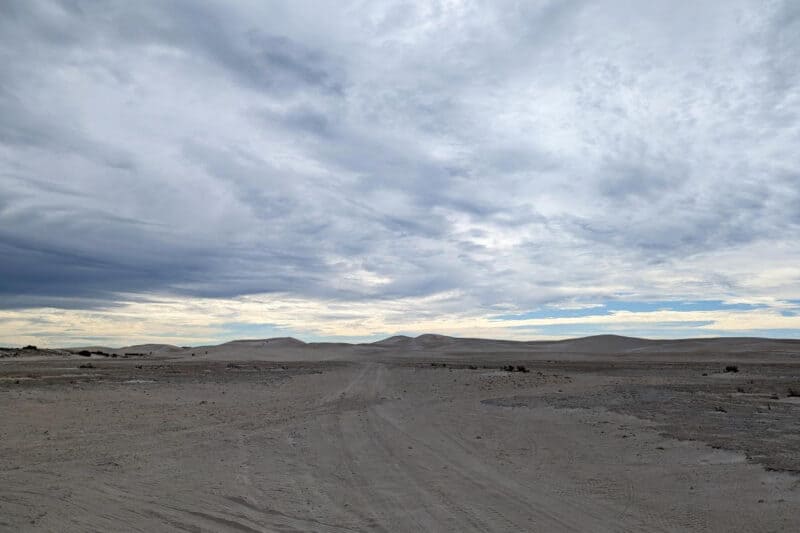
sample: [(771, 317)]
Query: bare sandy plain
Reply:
[(424, 434)]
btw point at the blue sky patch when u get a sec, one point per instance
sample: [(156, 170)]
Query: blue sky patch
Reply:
[(633, 307)]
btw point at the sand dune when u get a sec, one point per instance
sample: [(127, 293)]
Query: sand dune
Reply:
[(596, 347)]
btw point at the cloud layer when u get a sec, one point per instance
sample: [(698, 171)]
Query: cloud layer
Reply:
[(459, 158)]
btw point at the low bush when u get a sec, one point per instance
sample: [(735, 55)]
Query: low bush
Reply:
[(731, 368)]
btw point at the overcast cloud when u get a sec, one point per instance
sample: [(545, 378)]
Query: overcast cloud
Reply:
[(469, 159)]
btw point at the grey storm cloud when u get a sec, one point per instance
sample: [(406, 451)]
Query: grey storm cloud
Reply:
[(513, 152)]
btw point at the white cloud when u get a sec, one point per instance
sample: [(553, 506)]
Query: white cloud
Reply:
[(512, 155)]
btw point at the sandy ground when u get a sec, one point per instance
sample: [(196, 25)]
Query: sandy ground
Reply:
[(397, 443)]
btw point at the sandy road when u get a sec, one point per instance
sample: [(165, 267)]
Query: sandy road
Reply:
[(425, 476), (362, 447), (409, 461)]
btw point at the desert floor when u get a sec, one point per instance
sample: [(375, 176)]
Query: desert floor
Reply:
[(398, 444)]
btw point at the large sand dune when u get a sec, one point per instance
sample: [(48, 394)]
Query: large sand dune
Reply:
[(599, 347), (407, 434)]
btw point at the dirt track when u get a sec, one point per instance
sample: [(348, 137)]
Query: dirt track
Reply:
[(365, 446)]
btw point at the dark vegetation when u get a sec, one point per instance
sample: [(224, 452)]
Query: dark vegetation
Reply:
[(507, 368), (731, 368), (87, 353), (518, 368)]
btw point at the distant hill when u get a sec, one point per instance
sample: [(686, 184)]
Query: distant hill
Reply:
[(433, 346), (284, 342)]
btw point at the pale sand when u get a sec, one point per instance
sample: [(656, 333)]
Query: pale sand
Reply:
[(280, 436)]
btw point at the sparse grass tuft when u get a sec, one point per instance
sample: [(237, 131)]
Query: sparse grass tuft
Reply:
[(518, 368)]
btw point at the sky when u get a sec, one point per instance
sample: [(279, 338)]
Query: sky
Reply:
[(190, 172)]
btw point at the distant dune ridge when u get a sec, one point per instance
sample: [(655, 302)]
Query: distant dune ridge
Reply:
[(276, 342), (442, 346)]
